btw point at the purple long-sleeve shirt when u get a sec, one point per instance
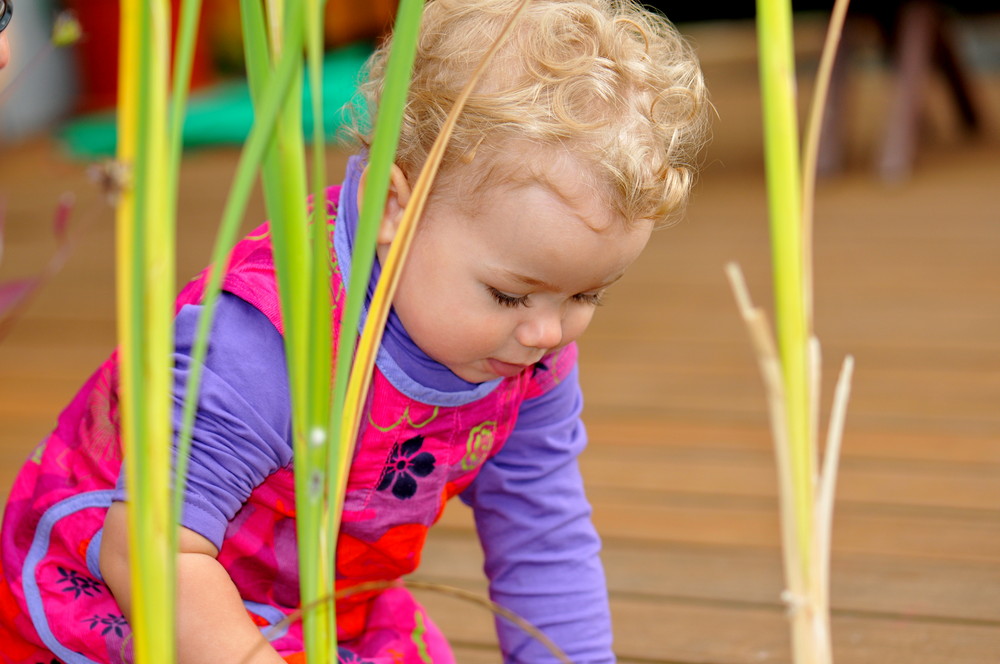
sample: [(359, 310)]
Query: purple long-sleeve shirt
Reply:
[(533, 519)]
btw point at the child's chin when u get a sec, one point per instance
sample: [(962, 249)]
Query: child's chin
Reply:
[(471, 374)]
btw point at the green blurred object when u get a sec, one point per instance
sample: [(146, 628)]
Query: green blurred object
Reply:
[(223, 114), (66, 30)]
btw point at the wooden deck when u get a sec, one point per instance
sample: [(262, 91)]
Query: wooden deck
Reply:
[(680, 468)]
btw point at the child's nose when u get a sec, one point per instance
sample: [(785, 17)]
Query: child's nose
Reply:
[(542, 330)]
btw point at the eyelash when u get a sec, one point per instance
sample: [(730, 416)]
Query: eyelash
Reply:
[(512, 302), (505, 300), (593, 299)]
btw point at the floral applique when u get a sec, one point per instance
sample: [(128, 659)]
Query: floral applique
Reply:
[(479, 445), (108, 622), (345, 656), (76, 583), (406, 463)]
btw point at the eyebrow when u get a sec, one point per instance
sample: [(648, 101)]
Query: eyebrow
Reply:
[(538, 283)]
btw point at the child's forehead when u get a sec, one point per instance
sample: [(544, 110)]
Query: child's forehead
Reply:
[(520, 166)]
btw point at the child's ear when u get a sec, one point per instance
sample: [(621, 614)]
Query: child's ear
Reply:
[(395, 202)]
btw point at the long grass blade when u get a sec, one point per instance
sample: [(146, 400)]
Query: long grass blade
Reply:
[(320, 339), (146, 280), (182, 66), (250, 160), (381, 159), (303, 284), (187, 32), (277, 143), (308, 354)]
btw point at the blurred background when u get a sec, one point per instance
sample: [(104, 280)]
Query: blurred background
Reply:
[(680, 469)]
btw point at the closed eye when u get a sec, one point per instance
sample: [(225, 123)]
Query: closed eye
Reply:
[(506, 299), (593, 299)]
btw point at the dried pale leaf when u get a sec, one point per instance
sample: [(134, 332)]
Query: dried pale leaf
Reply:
[(810, 148), (385, 290), (828, 474)]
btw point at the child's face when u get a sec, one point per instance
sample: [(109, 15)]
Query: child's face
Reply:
[(487, 293)]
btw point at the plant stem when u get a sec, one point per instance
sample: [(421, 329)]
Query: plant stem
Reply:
[(777, 73), (146, 282)]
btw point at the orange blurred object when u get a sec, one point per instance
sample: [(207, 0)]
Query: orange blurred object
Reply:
[(351, 20), (344, 22)]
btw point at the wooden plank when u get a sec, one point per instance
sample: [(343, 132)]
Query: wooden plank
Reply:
[(680, 632), (624, 378), (866, 531), (710, 472), (904, 588), (685, 519), (650, 432)]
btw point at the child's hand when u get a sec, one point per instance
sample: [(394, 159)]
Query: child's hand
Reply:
[(212, 623)]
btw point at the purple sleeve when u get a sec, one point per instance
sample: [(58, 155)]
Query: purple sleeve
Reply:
[(533, 519), (242, 429)]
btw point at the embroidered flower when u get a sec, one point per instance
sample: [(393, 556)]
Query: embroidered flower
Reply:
[(479, 445), (405, 462), (345, 656), (76, 583), (110, 622)]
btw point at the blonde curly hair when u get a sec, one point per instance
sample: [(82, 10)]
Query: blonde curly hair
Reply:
[(607, 80)]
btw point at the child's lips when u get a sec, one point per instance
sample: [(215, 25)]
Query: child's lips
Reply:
[(506, 369)]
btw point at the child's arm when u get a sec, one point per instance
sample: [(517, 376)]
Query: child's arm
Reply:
[(240, 437), (542, 552), (213, 625)]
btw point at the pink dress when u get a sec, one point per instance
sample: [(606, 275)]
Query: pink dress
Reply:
[(410, 459)]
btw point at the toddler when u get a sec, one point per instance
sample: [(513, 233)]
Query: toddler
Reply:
[(579, 140)]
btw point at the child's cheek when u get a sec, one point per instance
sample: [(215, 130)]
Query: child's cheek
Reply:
[(577, 323)]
